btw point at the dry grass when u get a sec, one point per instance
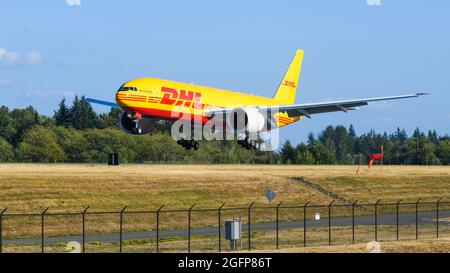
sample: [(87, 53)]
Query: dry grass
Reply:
[(71, 187), (398, 182), (441, 245), (32, 187), (290, 241)]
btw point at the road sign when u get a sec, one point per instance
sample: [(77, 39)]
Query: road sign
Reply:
[(270, 194)]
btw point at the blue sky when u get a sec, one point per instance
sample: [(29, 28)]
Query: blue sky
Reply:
[(49, 49)]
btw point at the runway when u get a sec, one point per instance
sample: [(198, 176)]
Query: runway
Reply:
[(424, 218)]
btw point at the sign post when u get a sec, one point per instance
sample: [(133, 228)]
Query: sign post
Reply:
[(270, 195)]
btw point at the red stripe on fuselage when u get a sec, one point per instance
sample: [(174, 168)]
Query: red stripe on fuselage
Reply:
[(132, 99), (165, 114)]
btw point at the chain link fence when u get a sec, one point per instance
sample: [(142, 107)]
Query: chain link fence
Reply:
[(202, 229)]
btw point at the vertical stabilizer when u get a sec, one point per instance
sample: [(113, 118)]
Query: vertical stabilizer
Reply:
[(288, 86)]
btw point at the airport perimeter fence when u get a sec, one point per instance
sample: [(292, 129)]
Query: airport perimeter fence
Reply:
[(202, 230)]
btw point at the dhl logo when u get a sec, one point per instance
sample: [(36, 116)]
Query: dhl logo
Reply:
[(289, 83), (182, 98)]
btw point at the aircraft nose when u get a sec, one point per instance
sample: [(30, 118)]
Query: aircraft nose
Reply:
[(119, 96), (124, 98)]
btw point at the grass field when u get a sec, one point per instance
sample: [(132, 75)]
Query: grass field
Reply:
[(71, 187), (441, 245), (290, 241), (27, 188)]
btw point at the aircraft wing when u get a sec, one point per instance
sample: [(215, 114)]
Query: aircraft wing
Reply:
[(308, 109), (102, 102)]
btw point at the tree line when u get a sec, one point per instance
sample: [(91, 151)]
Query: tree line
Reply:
[(339, 145), (78, 134)]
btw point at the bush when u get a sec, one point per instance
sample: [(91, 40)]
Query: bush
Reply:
[(6, 151), (100, 143), (73, 143), (40, 145)]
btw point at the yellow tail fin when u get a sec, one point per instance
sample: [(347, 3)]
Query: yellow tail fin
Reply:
[(288, 86)]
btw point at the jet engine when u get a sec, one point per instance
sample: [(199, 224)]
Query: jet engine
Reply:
[(246, 119), (134, 123)]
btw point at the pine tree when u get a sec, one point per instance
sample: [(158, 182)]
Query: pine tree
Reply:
[(303, 155), (23, 119), (311, 139), (433, 136), (82, 115), (110, 119), (62, 117), (287, 153), (351, 131)]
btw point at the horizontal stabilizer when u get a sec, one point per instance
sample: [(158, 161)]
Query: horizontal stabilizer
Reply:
[(102, 102)]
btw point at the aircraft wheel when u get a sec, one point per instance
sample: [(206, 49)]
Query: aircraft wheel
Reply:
[(196, 145), (137, 130), (257, 146), (247, 145), (189, 144)]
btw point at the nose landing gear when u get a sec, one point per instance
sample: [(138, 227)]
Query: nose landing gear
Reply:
[(137, 130), (135, 118)]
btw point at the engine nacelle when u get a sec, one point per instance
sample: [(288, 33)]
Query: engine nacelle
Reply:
[(246, 119), (134, 123)]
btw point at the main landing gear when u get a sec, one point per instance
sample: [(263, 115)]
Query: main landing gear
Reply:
[(248, 144), (189, 144)]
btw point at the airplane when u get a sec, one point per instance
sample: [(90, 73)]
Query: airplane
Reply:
[(146, 100)]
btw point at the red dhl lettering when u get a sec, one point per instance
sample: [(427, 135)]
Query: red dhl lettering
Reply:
[(187, 98), (289, 83)]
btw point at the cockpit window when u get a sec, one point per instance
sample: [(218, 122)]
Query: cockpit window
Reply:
[(128, 88)]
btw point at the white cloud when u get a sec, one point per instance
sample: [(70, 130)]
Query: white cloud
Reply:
[(8, 56), (33, 57), (374, 2), (12, 57), (73, 2)]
